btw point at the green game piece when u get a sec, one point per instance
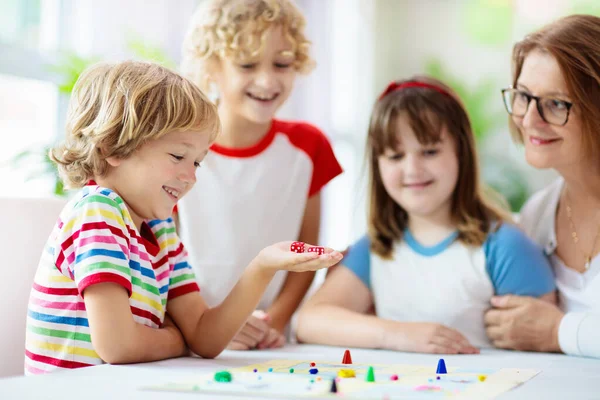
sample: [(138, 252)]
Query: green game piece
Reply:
[(291, 370), (223, 376), (370, 375), (312, 381)]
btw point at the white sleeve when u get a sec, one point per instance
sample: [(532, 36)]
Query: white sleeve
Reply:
[(578, 334)]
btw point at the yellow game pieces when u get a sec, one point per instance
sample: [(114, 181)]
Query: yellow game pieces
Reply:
[(481, 378), (347, 373)]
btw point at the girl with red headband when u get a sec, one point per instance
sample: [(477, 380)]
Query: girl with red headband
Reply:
[(437, 250)]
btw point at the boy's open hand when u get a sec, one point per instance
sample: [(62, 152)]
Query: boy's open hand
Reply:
[(280, 257)]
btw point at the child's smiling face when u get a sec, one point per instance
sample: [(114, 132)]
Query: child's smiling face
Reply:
[(158, 174), (420, 178), (254, 89)]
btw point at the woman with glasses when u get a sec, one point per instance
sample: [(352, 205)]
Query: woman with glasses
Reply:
[(554, 107)]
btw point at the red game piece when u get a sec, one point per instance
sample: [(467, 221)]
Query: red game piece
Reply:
[(312, 364), (297, 247), (317, 249), (347, 358)]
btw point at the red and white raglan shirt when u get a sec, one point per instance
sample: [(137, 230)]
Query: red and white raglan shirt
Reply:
[(95, 241), (246, 199)]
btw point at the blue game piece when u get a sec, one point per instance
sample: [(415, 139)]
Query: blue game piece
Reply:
[(313, 371), (270, 369), (441, 368), (255, 370)]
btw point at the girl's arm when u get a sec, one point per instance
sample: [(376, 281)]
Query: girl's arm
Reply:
[(296, 284), (117, 338), (336, 316)]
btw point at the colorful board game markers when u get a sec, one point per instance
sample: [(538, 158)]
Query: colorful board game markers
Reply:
[(414, 381), (347, 359), (370, 375), (333, 388), (441, 367), (223, 376), (347, 373)]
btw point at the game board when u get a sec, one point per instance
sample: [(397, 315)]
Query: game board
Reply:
[(274, 380)]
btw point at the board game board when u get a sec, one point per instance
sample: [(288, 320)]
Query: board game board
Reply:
[(273, 379)]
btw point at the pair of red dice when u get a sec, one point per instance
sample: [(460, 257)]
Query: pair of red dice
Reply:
[(299, 247)]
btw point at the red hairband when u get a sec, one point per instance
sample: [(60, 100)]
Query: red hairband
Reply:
[(392, 87)]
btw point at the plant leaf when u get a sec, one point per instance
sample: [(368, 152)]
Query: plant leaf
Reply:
[(148, 52), (69, 67)]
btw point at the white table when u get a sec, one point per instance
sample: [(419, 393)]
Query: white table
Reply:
[(562, 377)]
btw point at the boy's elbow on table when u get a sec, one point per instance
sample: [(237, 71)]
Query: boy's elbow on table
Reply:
[(207, 352), (115, 350)]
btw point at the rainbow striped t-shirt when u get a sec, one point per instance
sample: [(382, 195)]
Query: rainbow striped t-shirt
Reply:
[(94, 241)]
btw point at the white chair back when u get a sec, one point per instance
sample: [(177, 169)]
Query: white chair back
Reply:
[(27, 225)]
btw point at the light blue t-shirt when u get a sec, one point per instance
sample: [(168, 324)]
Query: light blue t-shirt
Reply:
[(514, 263), (451, 283)]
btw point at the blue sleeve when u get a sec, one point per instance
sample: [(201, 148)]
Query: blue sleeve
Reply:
[(358, 260), (516, 264)]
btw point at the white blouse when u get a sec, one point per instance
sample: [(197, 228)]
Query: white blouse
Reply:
[(579, 293)]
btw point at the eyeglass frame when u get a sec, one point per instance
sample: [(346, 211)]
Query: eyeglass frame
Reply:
[(539, 108)]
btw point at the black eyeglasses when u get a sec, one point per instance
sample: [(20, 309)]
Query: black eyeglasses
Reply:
[(552, 111)]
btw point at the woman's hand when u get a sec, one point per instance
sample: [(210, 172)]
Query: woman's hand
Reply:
[(523, 323)]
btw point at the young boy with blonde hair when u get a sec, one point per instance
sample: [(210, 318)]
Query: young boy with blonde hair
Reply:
[(113, 284), (247, 55)]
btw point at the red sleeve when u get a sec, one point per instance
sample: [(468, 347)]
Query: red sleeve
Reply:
[(311, 140)]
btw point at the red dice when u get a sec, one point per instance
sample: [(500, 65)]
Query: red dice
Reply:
[(297, 247), (317, 249)]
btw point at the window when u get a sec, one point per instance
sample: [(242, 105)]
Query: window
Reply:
[(28, 121), (30, 105)]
